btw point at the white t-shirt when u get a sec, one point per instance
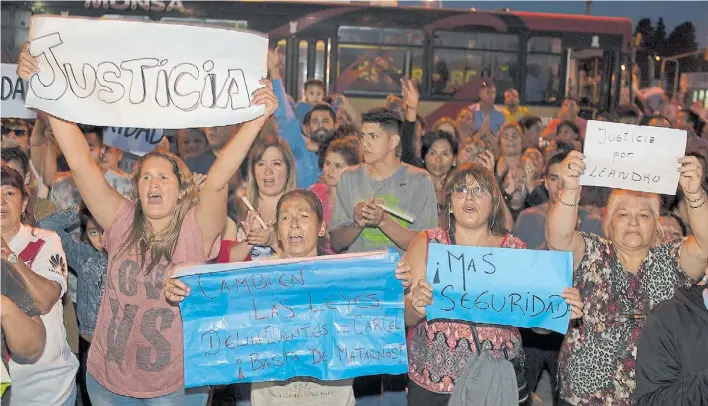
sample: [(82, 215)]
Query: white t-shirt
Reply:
[(303, 392), (48, 381)]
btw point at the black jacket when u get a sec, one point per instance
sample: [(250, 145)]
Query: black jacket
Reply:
[(672, 358)]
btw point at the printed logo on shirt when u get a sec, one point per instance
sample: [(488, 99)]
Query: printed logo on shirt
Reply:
[(58, 265)]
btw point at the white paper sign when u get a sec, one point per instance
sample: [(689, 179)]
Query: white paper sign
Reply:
[(145, 75), (633, 157), (138, 141), (14, 93)]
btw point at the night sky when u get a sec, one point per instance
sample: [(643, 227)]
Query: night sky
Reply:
[(674, 12)]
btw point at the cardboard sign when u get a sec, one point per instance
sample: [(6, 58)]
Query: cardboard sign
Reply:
[(504, 286), (14, 93), (633, 157), (329, 318), (145, 74)]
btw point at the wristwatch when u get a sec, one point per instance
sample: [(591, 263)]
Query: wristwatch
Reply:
[(12, 258)]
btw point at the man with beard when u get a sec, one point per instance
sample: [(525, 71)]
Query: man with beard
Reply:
[(318, 128)]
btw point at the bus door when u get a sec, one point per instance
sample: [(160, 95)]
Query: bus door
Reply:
[(592, 79)]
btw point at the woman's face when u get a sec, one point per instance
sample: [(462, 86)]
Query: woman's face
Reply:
[(333, 167), (633, 224), (94, 235), (471, 204), (271, 172), (672, 229), (511, 142), (12, 206), (439, 158), (158, 188), (299, 228)]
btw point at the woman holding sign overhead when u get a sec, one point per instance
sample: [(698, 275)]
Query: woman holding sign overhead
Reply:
[(137, 347), (621, 279), (300, 229), (439, 350)]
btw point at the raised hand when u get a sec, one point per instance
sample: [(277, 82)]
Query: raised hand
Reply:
[(26, 64), (572, 167), (691, 175), (265, 96)]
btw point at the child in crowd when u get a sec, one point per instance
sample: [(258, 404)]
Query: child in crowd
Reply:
[(314, 92)]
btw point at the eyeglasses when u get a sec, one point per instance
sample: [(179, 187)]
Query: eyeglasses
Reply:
[(19, 132), (461, 191)]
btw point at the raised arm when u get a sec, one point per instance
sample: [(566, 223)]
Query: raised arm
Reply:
[(563, 215), (103, 201), (694, 250), (211, 210)]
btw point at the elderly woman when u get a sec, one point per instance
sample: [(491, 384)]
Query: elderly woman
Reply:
[(621, 279)]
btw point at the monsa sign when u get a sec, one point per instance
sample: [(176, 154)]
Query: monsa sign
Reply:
[(146, 5)]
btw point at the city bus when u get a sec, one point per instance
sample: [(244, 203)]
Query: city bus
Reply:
[(362, 50)]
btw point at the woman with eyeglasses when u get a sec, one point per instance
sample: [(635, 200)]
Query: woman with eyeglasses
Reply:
[(621, 278), (438, 350)]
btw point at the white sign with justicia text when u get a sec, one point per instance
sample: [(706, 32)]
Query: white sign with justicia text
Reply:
[(119, 73), (633, 157)]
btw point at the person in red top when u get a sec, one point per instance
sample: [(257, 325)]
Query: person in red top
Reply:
[(136, 355), (568, 112)]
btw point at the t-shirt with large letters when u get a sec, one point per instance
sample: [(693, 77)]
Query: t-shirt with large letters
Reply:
[(137, 348)]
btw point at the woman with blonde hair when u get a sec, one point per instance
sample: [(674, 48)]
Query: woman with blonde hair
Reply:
[(136, 354), (621, 278), (271, 173)]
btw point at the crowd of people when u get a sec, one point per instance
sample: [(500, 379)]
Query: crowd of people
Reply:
[(90, 312)]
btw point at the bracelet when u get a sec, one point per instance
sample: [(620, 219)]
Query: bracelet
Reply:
[(560, 192), (696, 206), (702, 194)]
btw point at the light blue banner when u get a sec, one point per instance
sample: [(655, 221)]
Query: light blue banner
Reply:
[(328, 318), (504, 286)]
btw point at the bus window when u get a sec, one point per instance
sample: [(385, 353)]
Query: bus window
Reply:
[(463, 60), (364, 67), (370, 35), (476, 40), (543, 83)]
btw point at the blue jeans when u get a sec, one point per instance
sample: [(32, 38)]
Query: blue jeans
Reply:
[(187, 397), (71, 400)]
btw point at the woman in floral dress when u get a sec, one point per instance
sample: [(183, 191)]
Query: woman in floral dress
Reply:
[(620, 279)]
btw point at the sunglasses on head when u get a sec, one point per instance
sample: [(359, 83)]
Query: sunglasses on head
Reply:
[(20, 132)]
